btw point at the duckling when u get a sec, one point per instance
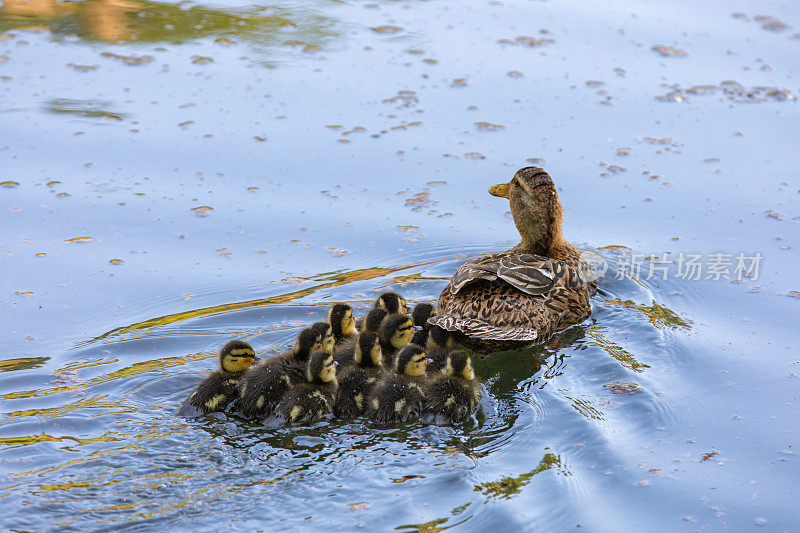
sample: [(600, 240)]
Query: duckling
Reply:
[(520, 297), (264, 385), (399, 398), (372, 320), (420, 315), (396, 332), (340, 317), (311, 400), (326, 331), (392, 302), (216, 391), (454, 394), (440, 343), (360, 377)]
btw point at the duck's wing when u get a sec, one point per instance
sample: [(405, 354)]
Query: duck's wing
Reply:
[(531, 274)]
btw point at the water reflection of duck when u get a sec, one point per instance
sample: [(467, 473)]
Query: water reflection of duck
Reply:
[(399, 398), (522, 296), (454, 393), (216, 391), (311, 400), (264, 385)]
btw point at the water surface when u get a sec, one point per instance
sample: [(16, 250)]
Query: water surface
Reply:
[(178, 174)]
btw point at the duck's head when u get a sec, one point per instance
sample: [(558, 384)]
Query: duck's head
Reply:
[(340, 317), (536, 208), (308, 341), (326, 332), (411, 361), (236, 356), (321, 368), (393, 303), (459, 364), (440, 339), (373, 319), (421, 313), (368, 350), (397, 331)]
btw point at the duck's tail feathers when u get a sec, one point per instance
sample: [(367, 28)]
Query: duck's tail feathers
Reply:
[(473, 327)]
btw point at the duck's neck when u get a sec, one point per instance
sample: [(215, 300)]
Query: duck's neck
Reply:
[(551, 245)]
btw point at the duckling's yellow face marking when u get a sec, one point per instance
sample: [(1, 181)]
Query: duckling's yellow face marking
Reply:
[(403, 335), (318, 347), (348, 323), (403, 306), (417, 365), (237, 360), (447, 371), (376, 354), (328, 373), (328, 341), (469, 372)]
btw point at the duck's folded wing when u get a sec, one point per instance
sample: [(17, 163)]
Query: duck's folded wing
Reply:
[(528, 273), (473, 327)]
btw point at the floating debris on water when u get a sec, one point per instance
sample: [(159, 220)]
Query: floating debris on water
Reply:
[(668, 51)]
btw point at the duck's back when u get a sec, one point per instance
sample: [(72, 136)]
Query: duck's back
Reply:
[(450, 400), (511, 300), (264, 385), (305, 403), (355, 386), (397, 400), (212, 394)]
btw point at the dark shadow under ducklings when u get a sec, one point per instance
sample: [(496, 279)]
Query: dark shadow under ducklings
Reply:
[(358, 378), (218, 390), (311, 400), (264, 385), (399, 399)]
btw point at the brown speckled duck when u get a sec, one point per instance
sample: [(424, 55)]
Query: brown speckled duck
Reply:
[(522, 296)]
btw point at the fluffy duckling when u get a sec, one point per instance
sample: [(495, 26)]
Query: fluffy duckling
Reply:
[(311, 400), (455, 393), (360, 377), (372, 320), (440, 342), (218, 390), (393, 303), (340, 317), (420, 315), (326, 331), (264, 385), (396, 331), (399, 398)]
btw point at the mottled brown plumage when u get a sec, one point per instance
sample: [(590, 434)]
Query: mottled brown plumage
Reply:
[(522, 296)]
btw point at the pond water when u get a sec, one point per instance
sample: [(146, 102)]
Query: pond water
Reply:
[(175, 175)]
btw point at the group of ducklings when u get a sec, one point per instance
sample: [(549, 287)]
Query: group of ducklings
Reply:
[(378, 366)]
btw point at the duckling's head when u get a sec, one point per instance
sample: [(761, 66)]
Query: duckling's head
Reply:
[(326, 332), (422, 312), (236, 356), (397, 330), (308, 341), (321, 368), (368, 350), (340, 317), (440, 339), (372, 322), (536, 208), (459, 364), (411, 361), (392, 302)]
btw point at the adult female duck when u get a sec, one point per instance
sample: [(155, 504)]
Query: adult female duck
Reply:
[(522, 296)]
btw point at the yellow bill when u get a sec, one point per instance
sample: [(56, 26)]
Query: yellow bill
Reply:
[(500, 190)]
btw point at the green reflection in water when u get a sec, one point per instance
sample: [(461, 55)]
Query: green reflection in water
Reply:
[(117, 21), (623, 356), (509, 486), (82, 108), (22, 363), (658, 315)]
